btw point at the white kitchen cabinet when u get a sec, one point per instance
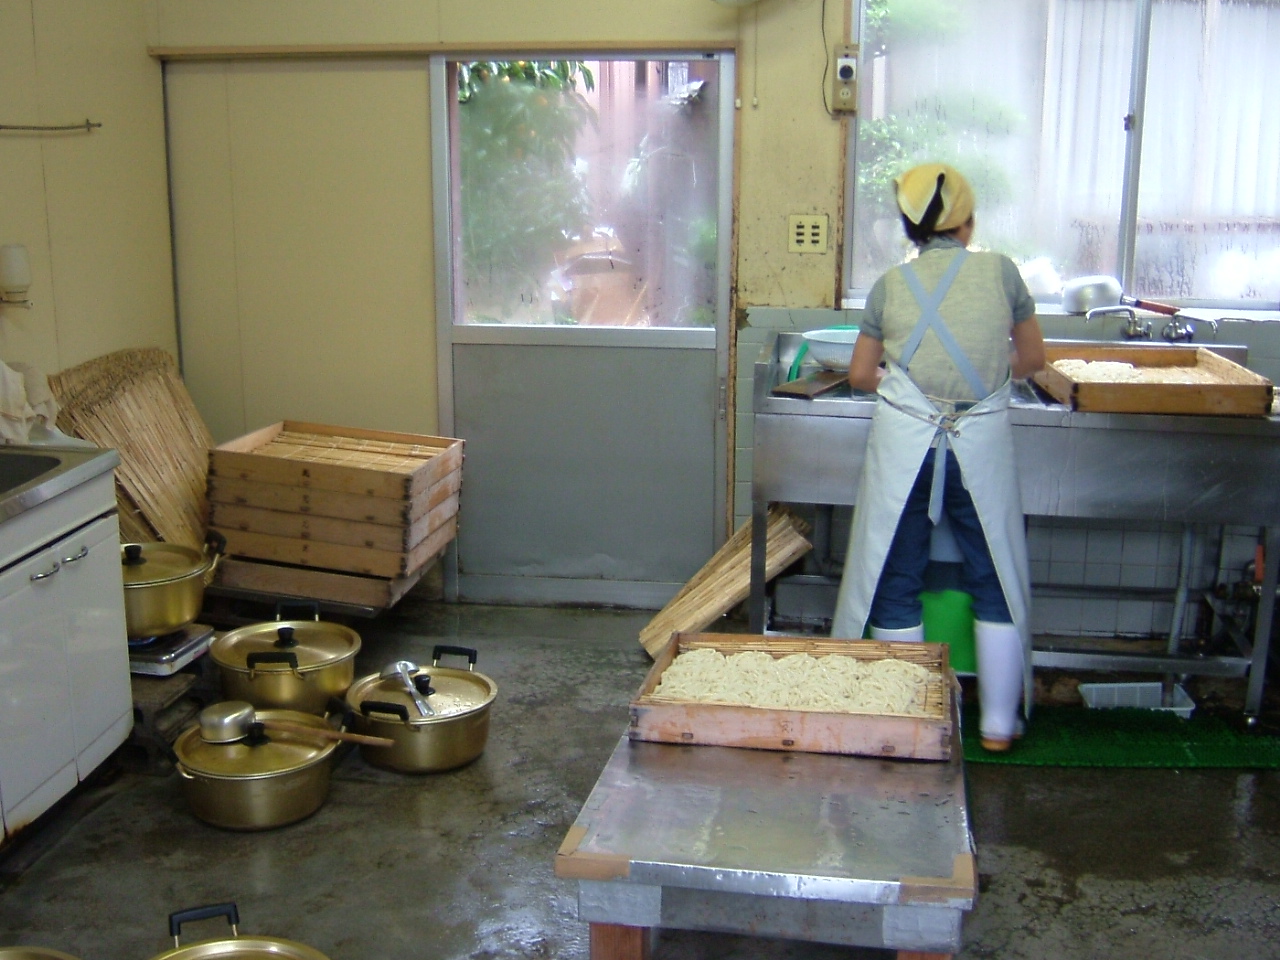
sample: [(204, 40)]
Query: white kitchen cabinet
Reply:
[(65, 701)]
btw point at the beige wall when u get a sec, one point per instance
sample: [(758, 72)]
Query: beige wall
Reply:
[(91, 208)]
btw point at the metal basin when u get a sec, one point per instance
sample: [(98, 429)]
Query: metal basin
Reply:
[(18, 469), (32, 475)]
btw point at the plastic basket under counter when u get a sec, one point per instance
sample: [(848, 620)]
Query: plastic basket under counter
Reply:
[(1144, 696)]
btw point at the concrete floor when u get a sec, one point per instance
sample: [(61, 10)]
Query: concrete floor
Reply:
[(1073, 863)]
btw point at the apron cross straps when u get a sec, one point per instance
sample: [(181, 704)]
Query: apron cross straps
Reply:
[(931, 319)]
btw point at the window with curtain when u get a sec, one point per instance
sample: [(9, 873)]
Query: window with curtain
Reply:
[(586, 191), (1028, 98)]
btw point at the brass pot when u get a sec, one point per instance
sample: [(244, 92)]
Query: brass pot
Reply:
[(164, 584), (287, 664), (235, 947), (262, 781), (453, 735)]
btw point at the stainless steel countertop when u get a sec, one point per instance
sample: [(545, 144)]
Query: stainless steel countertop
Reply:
[(70, 467), (1090, 465)]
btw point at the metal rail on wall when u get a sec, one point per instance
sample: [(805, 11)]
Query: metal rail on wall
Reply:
[(87, 126)]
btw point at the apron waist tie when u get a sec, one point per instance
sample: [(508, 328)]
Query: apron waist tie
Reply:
[(947, 425)]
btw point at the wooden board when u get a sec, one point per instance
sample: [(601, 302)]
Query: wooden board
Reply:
[(372, 463), (355, 533), (332, 586), (334, 556), (327, 503), (811, 385), (876, 735), (1235, 390)]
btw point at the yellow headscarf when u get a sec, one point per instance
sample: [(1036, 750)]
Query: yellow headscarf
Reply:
[(915, 190)]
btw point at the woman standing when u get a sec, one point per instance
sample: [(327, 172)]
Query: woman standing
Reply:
[(953, 327)]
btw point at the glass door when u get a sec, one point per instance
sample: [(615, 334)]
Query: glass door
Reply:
[(583, 213)]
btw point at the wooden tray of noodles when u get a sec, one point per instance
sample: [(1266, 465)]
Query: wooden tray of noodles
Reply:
[(923, 734), (1173, 379)]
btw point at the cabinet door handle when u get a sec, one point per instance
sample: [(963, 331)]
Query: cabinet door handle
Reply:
[(84, 552), (47, 574)]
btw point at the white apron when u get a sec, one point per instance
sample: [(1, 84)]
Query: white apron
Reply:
[(903, 428)]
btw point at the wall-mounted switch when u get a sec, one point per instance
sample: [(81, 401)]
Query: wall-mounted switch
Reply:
[(807, 234), (844, 78)]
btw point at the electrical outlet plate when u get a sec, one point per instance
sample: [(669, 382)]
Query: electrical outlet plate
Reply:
[(807, 233), (844, 78)]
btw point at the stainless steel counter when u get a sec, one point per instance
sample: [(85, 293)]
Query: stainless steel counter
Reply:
[(1179, 469), (806, 846)]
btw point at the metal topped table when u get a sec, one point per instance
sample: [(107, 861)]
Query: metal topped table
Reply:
[(816, 847)]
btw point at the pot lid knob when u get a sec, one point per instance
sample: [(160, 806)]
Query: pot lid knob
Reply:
[(285, 638), (132, 555)]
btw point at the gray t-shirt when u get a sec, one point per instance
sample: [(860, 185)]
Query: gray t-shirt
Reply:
[(984, 303)]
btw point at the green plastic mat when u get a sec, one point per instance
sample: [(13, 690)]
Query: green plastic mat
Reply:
[(1126, 737)]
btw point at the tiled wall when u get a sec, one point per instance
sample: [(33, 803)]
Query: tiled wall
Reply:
[(1129, 568)]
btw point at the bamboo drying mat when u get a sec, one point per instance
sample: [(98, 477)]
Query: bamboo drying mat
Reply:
[(725, 580), (135, 402), (382, 455)]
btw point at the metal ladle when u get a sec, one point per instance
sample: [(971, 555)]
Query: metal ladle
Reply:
[(231, 720), (405, 669)]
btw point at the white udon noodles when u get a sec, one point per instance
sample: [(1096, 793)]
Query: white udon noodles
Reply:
[(833, 683)]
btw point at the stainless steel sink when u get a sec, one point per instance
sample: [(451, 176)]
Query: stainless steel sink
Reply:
[(32, 475)]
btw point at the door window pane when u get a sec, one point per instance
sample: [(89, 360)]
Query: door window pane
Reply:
[(585, 192)]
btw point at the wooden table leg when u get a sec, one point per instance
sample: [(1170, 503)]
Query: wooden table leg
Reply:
[(910, 955), (613, 941)]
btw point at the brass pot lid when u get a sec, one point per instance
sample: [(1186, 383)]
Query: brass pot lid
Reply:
[(453, 694), (263, 754), (244, 948), (156, 564), (285, 645)]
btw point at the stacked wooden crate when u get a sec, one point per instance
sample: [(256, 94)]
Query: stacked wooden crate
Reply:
[(333, 513)]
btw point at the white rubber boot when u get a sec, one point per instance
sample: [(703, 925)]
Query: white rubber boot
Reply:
[(902, 635), (999, 652)]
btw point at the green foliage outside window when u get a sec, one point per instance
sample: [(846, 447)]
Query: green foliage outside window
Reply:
[(522, 197)]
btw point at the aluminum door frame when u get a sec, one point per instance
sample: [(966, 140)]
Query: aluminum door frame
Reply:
[(450, 334)]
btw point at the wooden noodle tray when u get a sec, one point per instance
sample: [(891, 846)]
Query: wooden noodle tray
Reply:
[(898, 736), (305, 583), (1231, 390), (366, 502)]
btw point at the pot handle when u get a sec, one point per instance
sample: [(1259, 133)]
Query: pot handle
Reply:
[(216, 548), (442, 649), (310, 606), (382, 706), (252, 660), (228, 910)]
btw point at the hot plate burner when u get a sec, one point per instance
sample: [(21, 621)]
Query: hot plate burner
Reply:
[(169, 653)]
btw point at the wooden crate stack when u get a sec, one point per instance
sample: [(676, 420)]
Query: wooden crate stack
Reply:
[(333, 513)]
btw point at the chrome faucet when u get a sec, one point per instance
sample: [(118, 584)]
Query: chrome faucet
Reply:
[(1134, 329), (1178, 329)]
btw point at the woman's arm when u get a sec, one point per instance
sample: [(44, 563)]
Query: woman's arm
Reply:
[(1027, 355), (864, 367)]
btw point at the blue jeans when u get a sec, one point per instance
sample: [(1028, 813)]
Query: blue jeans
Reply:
[(897, 600)]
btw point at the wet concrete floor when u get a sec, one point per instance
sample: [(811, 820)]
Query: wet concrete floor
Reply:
[(1073, 863)]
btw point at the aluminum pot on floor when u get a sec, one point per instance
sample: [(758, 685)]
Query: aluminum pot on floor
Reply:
[(287, 664), (235, 947), (262, 780), (452, 734)]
